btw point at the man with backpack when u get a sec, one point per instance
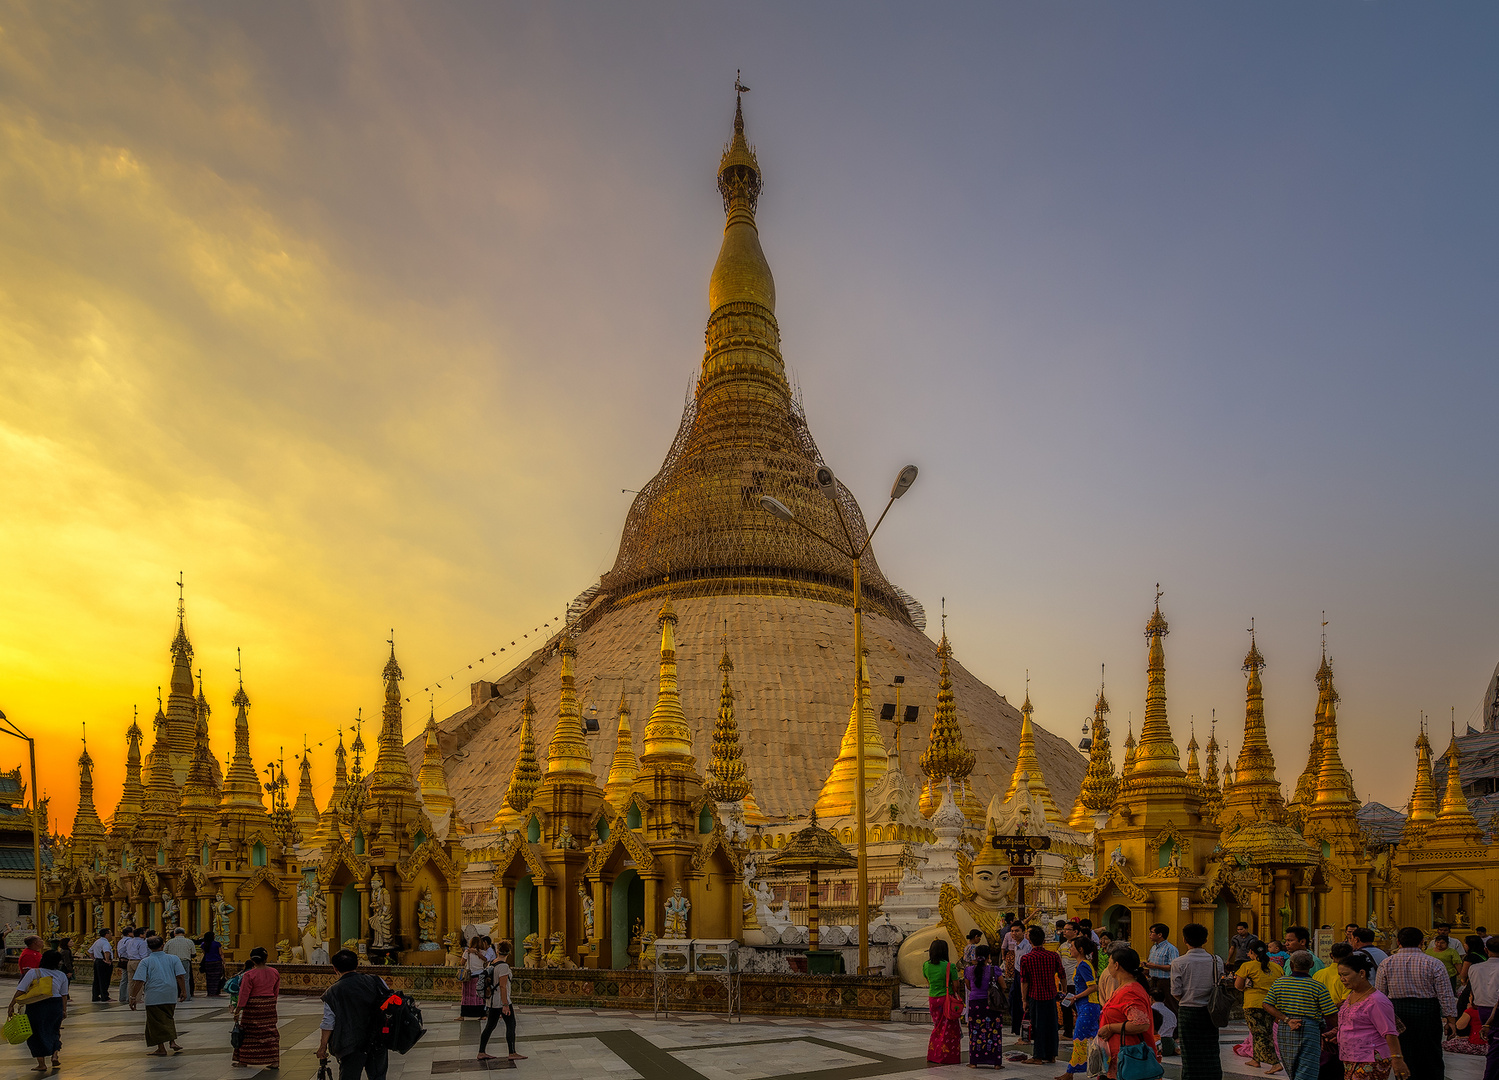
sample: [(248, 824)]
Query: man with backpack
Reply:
[(351, 1009)]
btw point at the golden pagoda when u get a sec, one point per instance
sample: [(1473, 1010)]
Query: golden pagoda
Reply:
[(668, 780), (726, 782), (305, 811), (1255, 792), (242, 798), (1156, 766), (1027, 765), (391, 782), (89, 837), (1100, 785), (947, 754), (1306, 783), (526, 775), (198, 811), (162, 794), (1128, 765), (1212, 791), (1423, 804), (568, 794), (839, 792), (133, 798), (1194, 769), (433, 779), (329, 825), (624, 769), (1455, 823)]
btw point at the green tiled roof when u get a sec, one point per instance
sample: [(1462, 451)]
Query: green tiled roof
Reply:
[(15, 859)]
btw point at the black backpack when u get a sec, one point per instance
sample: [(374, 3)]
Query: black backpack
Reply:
[(398, 1023)]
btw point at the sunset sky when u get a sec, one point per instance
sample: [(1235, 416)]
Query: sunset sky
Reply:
[(362, 315)]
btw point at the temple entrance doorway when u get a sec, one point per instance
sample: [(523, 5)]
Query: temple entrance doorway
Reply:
[(1117, 921), (525, 918), (626, 904), (348, 914)]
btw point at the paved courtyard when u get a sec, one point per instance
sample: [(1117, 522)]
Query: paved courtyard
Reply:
[(105, 1042)]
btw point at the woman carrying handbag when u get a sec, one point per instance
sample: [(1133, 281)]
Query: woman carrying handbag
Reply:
[(1127, 1024), (945, 1047)]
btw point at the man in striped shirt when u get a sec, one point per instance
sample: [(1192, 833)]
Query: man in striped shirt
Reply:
[(1300, 1005), (1418, 987)]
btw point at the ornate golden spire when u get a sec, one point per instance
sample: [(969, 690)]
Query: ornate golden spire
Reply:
[(1455, 822), (1334, 787), (305, 813), (328, 822), (692, 518), (1027, 764), (1100, 785), (726, 781), (1157, 764), (1194, 770), (837, 798), (741, 273), (668, 739), (200, 798), (624, 770), (182, 710), (946, 754), (526, 776), (1212, 793), (88, 830), (1306, 783), (162, 793), (1423, 805), (568, 752), (1128, 766), (242, 792), (133, 798), (433, 778), (391, 780), (1255, 785)]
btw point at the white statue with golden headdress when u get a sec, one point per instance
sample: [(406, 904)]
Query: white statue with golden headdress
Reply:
[(980, 904)]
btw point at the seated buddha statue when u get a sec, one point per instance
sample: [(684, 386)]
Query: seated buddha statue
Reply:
[(985, 895)]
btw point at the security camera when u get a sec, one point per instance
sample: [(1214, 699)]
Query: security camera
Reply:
[(827, 481)]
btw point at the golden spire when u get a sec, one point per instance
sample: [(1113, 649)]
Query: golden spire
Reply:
[(1100, 785), (1333, 783), (1228, 775), (1026, 762), (946, 754), (726, 781), (200, 799), (526, 776), (162, 794), (568, 751), (1423, 805), (624, 770), (433, 778), (305, 813), (391, 779), (1306, 783), (181, 711), (87, 828), (133, 798), (1128, 766), (667, 736), (741, 274), (1255, 784), (242, 791), (1455, 822), (1212, 802), (1194, 770), (1157, 764), (328, 824), (841, 787)]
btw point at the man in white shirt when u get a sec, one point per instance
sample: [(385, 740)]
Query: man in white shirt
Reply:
[(489, 953), (132, 949), (1483, 981), (1015, 945), (104, 958), (181, 946)]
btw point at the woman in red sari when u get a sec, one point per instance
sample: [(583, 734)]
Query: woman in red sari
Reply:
[(1126, 1018), (944, 998)]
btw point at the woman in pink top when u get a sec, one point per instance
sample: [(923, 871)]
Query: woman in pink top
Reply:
[(255, 1013), (1367, 1043)]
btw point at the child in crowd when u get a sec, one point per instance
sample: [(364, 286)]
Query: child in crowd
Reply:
[(1165, 1024)]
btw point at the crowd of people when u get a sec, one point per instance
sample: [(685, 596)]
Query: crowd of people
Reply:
[(157, 975), (1363, 1014)]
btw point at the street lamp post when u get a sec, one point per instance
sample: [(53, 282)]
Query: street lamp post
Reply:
[(829, 485), (8, 727)]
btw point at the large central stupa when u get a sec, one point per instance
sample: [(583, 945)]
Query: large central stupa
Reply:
[(741, 579)]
